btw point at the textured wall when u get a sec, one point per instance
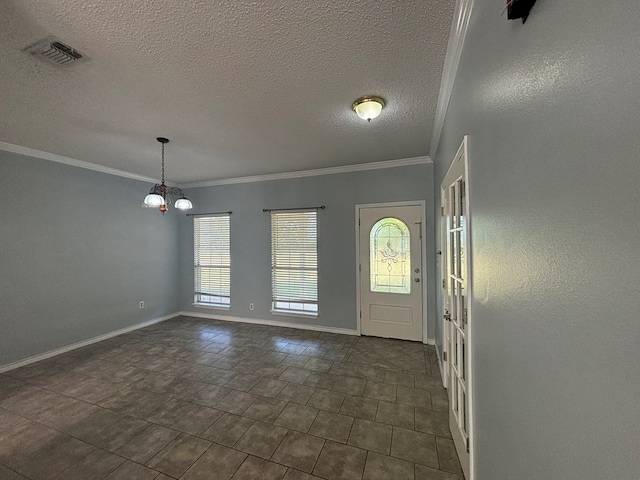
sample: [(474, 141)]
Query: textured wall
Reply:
[(552, 109), (77, 255), (251, 237)]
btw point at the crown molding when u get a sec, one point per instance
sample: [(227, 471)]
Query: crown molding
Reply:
[(459, 27), (403, 162), (32, 152)]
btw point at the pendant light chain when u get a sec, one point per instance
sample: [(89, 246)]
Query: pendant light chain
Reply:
[(163, 164)]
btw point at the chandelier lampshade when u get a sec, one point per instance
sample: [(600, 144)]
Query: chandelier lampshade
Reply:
[(183, 204), (153, 200)]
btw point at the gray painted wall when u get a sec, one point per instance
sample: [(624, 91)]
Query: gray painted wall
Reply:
[(251, 237), (552, 109), (77, 255)]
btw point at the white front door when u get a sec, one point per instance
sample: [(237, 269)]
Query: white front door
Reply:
[(455, 296), (390, 267)]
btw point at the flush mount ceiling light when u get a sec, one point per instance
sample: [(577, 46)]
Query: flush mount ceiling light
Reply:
[(368, 107), (159, 195)]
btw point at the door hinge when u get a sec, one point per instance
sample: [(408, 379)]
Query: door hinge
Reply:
[(360, 267), (444, 283), (442, 211), (360, 313), (464, 189), (358, 222), (467, 444), (444, 356)]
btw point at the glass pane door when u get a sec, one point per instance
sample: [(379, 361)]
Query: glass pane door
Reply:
[(456, 283)]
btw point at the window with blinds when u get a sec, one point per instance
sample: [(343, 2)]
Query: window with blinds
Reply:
[(212, 261), (294, 262)]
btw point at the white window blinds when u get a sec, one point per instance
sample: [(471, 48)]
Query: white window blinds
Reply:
[(212, 260), (294, 261)]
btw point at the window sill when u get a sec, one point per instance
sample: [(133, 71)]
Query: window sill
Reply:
[(208, 305), (289, 313)]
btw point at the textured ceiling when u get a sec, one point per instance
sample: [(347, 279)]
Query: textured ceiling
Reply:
[(240, 88)]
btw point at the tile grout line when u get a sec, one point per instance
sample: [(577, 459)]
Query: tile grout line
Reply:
[(178, 376)]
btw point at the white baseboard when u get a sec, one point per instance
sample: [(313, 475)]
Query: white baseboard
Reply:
[(84, 343), (430, 341), (272, 323)]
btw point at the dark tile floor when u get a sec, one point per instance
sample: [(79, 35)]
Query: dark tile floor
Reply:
[(194, 399)]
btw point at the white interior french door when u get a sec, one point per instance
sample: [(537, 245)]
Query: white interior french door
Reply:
[(390, 271), (455, 301)]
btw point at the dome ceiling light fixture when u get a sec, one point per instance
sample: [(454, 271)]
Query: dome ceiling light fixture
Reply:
[(158, 196), (368, 107)]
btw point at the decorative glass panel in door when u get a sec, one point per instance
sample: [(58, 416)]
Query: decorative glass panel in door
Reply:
[(390, 257)]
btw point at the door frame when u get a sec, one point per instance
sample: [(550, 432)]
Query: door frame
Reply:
[(461, 155), (444, 368), (423, 245)]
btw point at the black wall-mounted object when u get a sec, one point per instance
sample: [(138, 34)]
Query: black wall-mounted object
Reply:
[(519, 9)]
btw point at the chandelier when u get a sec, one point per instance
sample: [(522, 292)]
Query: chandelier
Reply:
[(159, 195)]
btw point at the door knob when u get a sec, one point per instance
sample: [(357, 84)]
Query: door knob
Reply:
[(417, 280)]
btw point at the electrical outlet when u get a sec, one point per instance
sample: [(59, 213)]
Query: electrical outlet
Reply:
[(251, 306), (141, 304)]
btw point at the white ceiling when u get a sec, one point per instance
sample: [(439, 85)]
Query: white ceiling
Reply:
[(240, 88)]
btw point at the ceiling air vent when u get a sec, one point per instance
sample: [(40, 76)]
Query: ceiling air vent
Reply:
[(54, 51)]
